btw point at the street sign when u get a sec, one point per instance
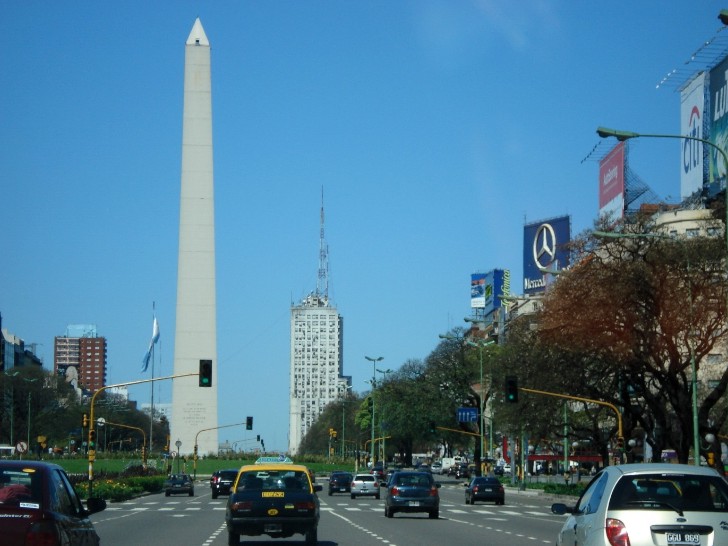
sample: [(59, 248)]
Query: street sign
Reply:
[(468, 415), (21, 447), (100, 422), (173, 454)]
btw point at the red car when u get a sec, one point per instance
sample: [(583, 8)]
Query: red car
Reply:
[(38, 505)]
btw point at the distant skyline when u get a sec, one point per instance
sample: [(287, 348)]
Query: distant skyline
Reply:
[(437, 130)]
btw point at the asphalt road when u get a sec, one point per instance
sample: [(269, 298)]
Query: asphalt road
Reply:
[(200, 521)]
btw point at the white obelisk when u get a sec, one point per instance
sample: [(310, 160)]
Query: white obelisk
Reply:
[(194, 408)]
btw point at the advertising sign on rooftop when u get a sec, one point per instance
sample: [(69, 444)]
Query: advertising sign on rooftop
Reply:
[(611, 183), (692, 106), (718, 120), (545, 250), (486, 289)]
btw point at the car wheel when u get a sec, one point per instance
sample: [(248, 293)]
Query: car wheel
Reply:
[(467, 500), (192, 493), (353, 496), (312, 536), (233, 539), (214, 495), (330, 493), (434, 514), (377, 496), (388, 513), (166, 493)]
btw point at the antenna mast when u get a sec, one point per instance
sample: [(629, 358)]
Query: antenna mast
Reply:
[(322, 285)]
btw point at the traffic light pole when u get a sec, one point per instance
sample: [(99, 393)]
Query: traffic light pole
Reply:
[(91, 447), (620, 433), (194, 456)]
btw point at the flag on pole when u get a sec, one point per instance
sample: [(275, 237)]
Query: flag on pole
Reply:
[(155, 338)]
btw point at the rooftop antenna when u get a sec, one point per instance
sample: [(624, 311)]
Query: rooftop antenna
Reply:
[(322, 284)]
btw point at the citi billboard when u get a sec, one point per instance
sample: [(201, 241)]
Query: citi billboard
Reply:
[(692, 107), (545, 249)]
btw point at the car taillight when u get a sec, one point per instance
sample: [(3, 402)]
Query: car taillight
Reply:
[(475, 489), (242, 506), (376, 484), (616, 533), (395, 491), (304, 506), (433, 491), (42, 533)]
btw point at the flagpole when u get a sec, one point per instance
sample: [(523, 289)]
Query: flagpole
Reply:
[(151, 408)]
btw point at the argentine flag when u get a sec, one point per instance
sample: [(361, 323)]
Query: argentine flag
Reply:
[(155, 338)]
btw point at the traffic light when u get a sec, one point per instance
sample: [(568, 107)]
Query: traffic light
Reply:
[(85, 420), (248, 423), (711, 458), (511, 389), (620, 443), (433, 427), (205, 373), (257, 438), (262, 445), (92, 440)]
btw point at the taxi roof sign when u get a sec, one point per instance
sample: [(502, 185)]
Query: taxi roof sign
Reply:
[(280, 459)]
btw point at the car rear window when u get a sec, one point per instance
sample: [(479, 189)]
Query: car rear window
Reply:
[(20, 487), (364, 478), (266, 480), (670, 492)]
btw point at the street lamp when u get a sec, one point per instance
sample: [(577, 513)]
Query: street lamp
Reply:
[(374, 361), (480, 345), (178, 443), (693, 365), (347, 390), (381, 421), (12, 405)]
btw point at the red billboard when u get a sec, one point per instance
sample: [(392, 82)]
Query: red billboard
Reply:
[(611, 183)]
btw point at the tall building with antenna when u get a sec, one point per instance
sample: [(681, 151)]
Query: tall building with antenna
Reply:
[(317, 335)]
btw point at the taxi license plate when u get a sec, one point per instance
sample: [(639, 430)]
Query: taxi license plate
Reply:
[(414, 503), (678, 538), (273, 528)]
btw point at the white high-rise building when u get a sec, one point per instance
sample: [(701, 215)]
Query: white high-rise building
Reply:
[(316, 364), (317, 336)]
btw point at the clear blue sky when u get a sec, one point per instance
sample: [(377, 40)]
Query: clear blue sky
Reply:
[(436, 128)]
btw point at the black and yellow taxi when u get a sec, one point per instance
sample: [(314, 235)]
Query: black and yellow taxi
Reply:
[(273, 497)]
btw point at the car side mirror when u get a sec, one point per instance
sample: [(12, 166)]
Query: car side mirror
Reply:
[(318, 487), (95, 504), (559, 508)]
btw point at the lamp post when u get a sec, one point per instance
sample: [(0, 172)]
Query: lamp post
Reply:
[(382, 423), (178, 443), (480, 346), (12, 405), (374, 361), (347, 389), (693, 365)]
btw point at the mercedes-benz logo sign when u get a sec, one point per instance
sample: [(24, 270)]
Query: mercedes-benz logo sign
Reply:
[(544, 246)]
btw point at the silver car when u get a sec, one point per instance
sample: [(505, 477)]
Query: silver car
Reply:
[(365, 484), (648, 504)]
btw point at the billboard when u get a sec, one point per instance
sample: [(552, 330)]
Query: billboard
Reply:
[(611, 183), (544, 248), (718, 120), (485, 289), (692, 106)]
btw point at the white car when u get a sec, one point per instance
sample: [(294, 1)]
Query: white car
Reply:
[(653, 503), (365, 485), (436, 467)]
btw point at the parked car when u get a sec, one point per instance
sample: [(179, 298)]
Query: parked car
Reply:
[(485, 488), (648, 503), (412, 492), (222, 481), (436, 467), (179, 483), (274, 499), (340, 482), (30, 511), (365, 485)]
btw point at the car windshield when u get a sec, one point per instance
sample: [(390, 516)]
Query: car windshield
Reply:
[(287, 480), (670, 492), (20, 487)]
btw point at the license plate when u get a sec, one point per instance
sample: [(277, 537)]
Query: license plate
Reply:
[(273, 528), (682, 539), (342, 489), (414, 503)]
